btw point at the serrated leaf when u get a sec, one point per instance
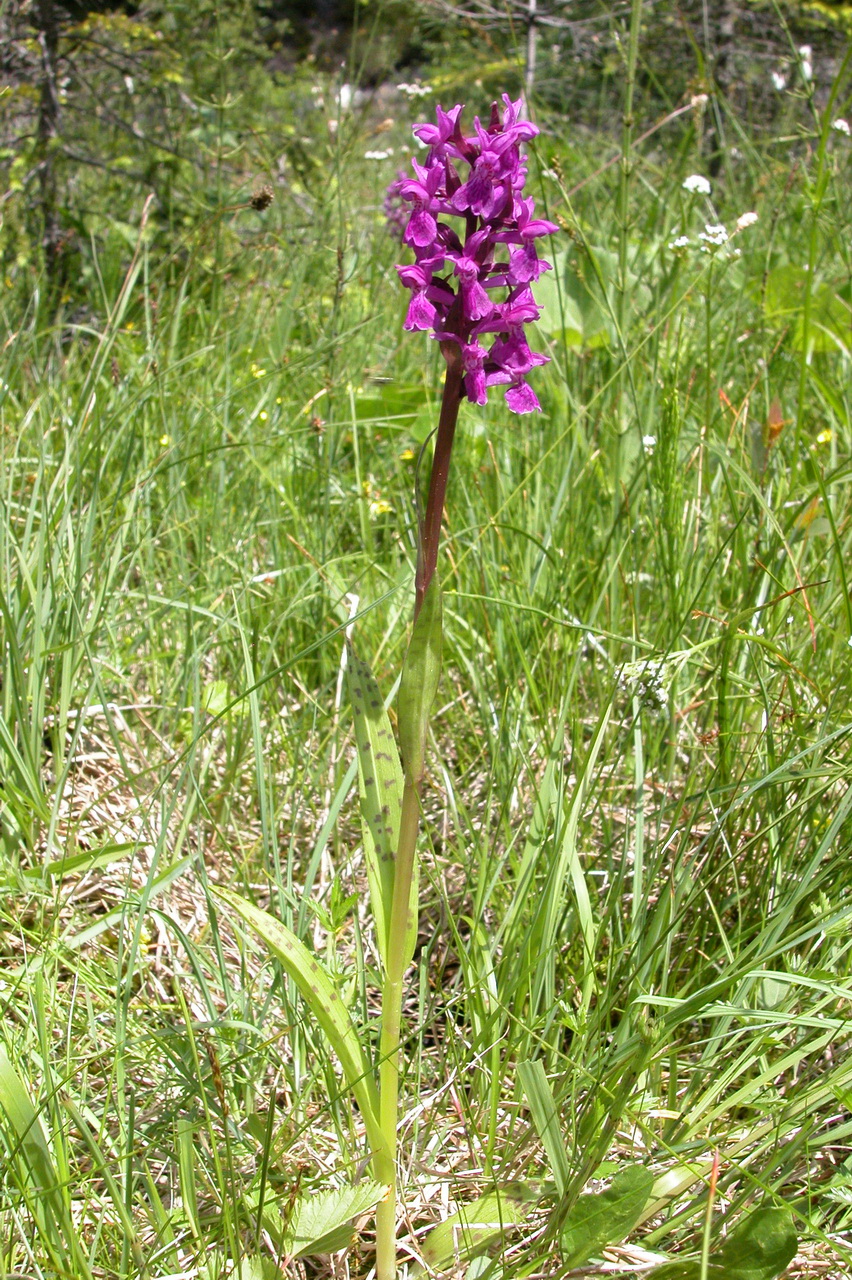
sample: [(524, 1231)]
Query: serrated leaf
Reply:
[(380, 789), (322, 1223), (605, 1217), (322, 999), (545, 1117), (475, 1226), (421, 672)]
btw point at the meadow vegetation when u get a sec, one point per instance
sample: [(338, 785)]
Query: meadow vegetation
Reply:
[(635, 944)]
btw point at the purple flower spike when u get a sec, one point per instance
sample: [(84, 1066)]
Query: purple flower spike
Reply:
[(478, 180)]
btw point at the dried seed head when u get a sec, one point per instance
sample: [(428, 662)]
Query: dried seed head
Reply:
[(262, 196)]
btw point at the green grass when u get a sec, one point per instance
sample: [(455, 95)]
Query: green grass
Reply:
[(637, 800)]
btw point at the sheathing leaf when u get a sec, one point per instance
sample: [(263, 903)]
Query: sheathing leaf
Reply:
[(380, 789)]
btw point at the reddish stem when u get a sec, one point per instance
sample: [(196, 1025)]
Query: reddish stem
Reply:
[(430, 529)]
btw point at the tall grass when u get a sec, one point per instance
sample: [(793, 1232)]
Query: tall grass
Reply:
[(638, 862)]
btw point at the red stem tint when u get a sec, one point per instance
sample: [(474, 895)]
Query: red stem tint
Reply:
[(430, 529)]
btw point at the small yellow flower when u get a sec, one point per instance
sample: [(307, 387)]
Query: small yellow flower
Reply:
[(380, 508), (825, 437), (277, 399), (165, 441), (257, 371), (129, 327), (263, 415), (407, 455)]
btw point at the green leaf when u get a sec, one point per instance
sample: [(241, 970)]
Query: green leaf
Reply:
[(568, 309), (322, 1223), (606, 1217), (545, 1117), (322, 999), (257, 1269), (476, 1226), (760, 1247), (27, 1145), (380, 789), (688, 1269), (829, 325), (420, 675)]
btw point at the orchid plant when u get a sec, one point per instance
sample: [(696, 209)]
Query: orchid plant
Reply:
[(473, 235)]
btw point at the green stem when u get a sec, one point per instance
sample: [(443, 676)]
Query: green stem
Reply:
[(409, 826), (384, 1162)]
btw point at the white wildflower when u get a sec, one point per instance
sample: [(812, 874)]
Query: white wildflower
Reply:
[(714, 234), (806, 66), (841, 126), (414, 90), (746, 220), (648, 681), (378, 155), (779, 79), (649, 444), (696, 184), (679, 242)]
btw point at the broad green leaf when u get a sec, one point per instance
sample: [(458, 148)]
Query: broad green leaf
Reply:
[(829, 321), (476, 1226), (545, 1117), (761, 1246), (27, 1146), (322, 1223), (257, 1269), (605, 1217), (380, 789), (688, 1269), (24, 1128), (568, 309), (325, 1004), (421, 672)]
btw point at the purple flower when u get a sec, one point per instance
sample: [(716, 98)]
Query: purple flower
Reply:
[(478, 180), (395, 210)]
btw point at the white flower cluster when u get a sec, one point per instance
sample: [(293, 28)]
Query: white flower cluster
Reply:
[(649, 444), (414, 90), (779, 80), (696, 184), (646, 681), (713, 235), (806, 66), (379, 155), (841, 126)]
